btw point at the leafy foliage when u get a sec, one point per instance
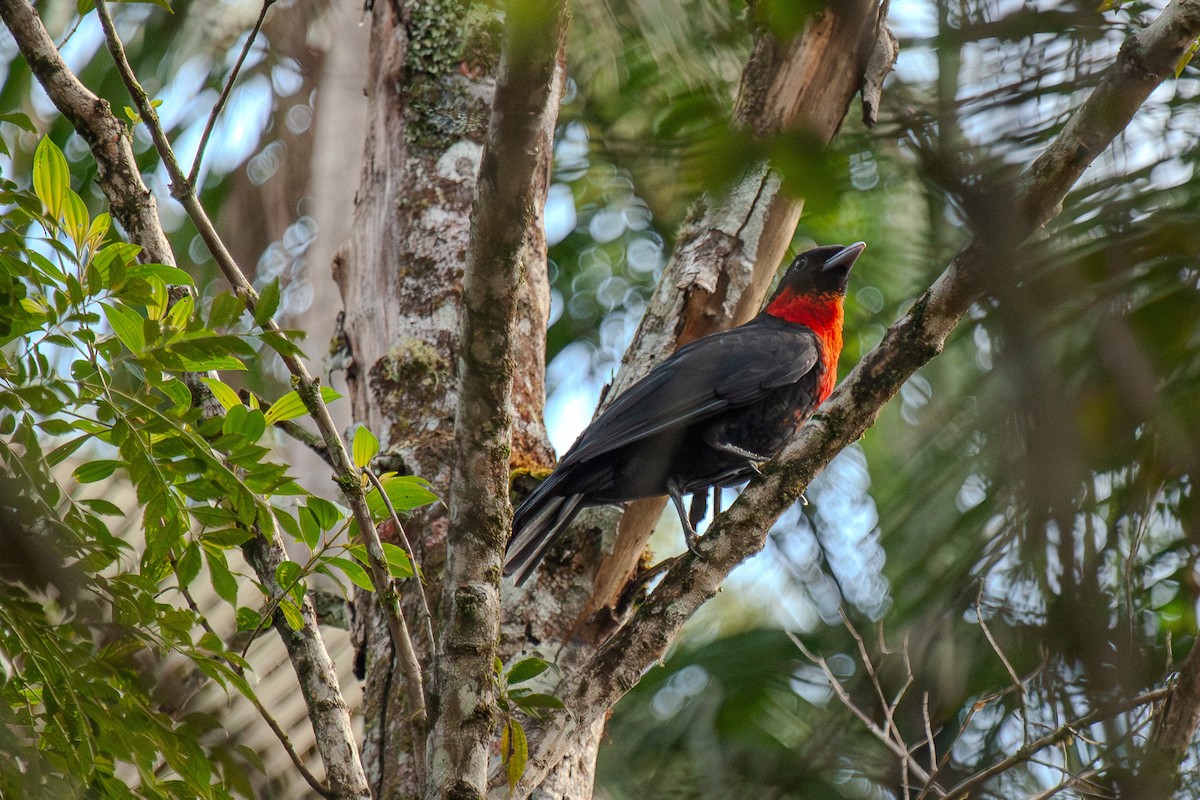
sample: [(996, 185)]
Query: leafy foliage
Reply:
[(98, 363)]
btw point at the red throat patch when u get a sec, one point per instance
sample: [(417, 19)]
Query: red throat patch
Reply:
[(823, 315)]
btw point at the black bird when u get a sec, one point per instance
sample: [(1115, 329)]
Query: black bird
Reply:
[(706, 416)]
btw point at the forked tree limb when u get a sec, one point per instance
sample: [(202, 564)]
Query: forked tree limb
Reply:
[(1146, 59)]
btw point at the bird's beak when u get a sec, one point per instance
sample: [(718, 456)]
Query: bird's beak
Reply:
[(843, 259)]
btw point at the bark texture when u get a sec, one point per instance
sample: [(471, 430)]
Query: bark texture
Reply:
[(317, 676), (430, 91), (508, 199)]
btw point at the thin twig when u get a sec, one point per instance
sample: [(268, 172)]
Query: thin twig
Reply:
[(929, 731), (220, 104), (306, 386), (1012, 673), (882, 735), (945, 759), (888, 708), (318, 787), (426, 615), (1025, 752)]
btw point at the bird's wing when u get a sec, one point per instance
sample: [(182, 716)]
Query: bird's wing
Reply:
[(707, 376)]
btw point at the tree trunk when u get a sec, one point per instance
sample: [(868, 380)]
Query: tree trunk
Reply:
[(430, 87)]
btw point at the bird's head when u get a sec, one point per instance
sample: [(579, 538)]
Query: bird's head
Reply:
[(820, 271)]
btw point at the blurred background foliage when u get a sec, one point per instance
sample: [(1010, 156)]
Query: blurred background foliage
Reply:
[(1026, 506)]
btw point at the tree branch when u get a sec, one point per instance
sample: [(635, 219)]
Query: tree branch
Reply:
[(1145, 60), (505, 207), (1173, 731), (117, 172), (220, 104), (267, 717)]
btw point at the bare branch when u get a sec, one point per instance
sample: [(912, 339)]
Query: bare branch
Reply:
[(506, 202), (883, 735), (1063, 732), (1146, 59), (889, 709), (220, 104)]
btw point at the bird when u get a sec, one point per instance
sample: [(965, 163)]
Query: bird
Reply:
[(706, 417)]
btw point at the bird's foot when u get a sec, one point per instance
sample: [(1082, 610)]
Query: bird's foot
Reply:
[(755, 460)]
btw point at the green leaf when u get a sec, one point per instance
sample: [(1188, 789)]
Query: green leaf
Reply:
[(527, 669), (76, 219), (103, 507), (172, 276), (366, 445), (222, 579), (51, 178), (291, 613), (353, 571), (405, 491), (326, 513), (226, 537), (224, 393), (188, 565), (111, 264), (178, 392), (268, 304), (127, 325), (514, 751), (535, 704), (248, 422), (310, 530), (288, 573), (287, 407), (22, 121), (248, 619), (290, 406), (399, 564), (95, 470), (98, 230), (225, 310)]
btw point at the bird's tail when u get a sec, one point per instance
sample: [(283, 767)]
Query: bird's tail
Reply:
[(536, 525)]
